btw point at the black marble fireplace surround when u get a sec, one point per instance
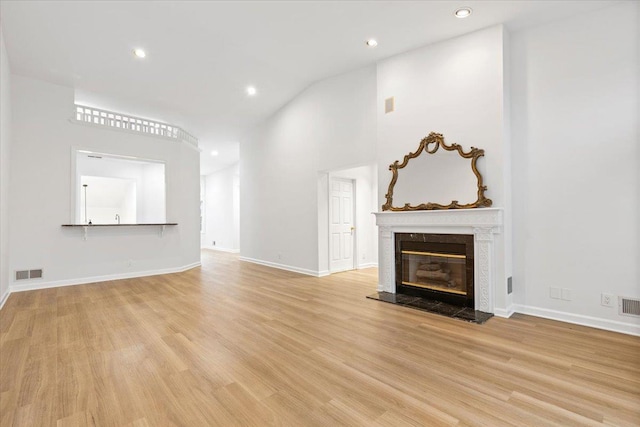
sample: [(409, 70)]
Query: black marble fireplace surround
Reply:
[(436, 267)]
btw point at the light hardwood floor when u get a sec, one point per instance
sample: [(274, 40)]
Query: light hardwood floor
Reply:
[(234, 343)]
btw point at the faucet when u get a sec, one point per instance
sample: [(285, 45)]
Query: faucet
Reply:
[(118, 218)]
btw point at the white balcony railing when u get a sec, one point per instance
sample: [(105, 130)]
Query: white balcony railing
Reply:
[(120, 121)]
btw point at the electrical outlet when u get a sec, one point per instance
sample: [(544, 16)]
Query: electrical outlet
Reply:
[(129, 263), (279, 256), (566, 294), (607, 300), (214, 243), (554, 293)]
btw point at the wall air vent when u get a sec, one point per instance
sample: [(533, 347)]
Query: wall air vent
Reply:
[(29, 274), (119, 121), (389, 105), (629, 306)]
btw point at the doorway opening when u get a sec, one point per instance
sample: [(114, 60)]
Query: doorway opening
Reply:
[(347, 234)]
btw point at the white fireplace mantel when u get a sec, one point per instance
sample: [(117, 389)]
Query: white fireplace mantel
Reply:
[(482, 223)]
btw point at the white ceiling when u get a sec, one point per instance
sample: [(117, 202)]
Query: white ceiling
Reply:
[(202, 55)]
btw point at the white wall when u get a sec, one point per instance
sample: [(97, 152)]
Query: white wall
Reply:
[(5, 148), (330, 125), (455, 88), (222, 213), (576, 157), (41, 177), (152, 195)]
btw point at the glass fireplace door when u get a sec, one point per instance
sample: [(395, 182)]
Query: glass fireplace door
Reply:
[(435, 271)]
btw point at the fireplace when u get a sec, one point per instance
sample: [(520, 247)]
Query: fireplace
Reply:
[(436, 266), (485, 225)]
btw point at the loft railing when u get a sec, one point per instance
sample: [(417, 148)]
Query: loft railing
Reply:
[(110, 119)]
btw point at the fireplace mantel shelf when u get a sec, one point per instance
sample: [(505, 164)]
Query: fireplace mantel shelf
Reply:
[(480, 217), (482, 223)]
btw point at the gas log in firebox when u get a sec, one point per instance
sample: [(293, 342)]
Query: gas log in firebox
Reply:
[(435, 266)]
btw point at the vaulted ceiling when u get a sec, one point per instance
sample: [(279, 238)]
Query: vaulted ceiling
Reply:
[(202, 55)]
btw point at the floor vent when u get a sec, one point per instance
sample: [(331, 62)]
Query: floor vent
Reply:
[(629, 307), (35, 274), (22, 274)]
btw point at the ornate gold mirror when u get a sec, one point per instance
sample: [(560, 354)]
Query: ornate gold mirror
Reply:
[(448, 178)]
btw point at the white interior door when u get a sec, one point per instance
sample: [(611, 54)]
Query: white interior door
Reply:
[(341, 225)]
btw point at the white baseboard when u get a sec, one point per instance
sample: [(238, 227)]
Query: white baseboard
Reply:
[(218, 248), (367, 265), (357, 267), (4, 298), (313, 273), (579, 319), (504, 312), (323, 273), (84, 280)]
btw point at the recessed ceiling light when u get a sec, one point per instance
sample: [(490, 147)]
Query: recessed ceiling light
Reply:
[(139, 53), (251, 91), (371, 43), (463, 12), (214, 153)]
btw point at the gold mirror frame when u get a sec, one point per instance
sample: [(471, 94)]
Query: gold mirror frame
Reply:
[(437, 140)]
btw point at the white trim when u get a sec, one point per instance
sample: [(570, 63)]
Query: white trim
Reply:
[(480, 217), (367, 265), (579, 319), (324, 273), (308, 272), (95, 279), (4, 299), (502, 312), (218, 248)]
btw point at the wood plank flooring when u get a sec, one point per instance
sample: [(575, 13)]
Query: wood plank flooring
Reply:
[(232, 343)]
